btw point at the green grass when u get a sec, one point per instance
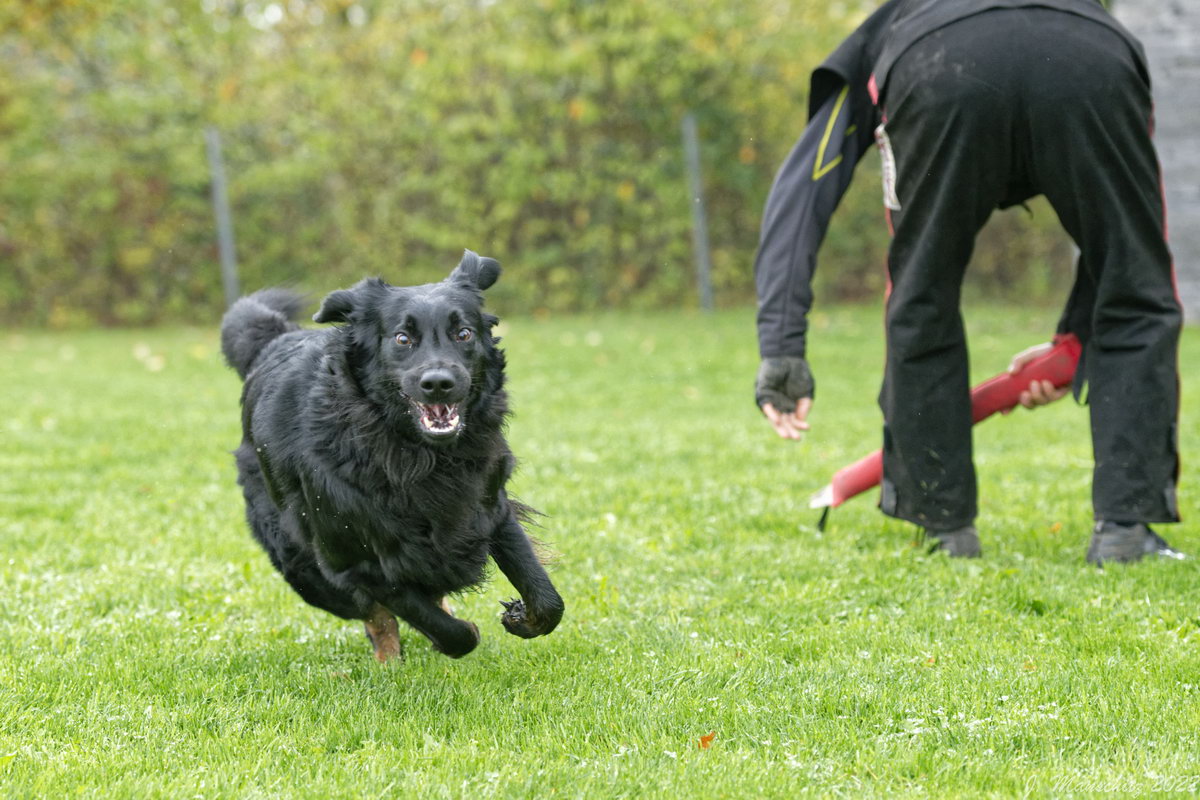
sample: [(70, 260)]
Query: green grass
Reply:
[(147, 649)]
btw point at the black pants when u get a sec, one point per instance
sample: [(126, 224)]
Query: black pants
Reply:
[(987, 112)]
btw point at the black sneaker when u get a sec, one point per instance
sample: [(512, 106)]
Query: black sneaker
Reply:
[(957, 543), (1112, 541)]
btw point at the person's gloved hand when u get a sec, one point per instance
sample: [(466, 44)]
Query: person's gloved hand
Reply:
[(784, 391)]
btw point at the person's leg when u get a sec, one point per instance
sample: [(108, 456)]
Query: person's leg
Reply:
[(1090, 117), (948, 123)]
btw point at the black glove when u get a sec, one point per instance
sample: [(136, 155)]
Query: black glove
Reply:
[(782, 381)]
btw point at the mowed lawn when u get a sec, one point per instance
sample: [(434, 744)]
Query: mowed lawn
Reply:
[(715, 643)]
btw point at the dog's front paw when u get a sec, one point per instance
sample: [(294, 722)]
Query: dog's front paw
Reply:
[(518, 620), (462, 643)]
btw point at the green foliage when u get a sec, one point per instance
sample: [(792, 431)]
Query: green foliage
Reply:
[(382, 138), (149, 650)]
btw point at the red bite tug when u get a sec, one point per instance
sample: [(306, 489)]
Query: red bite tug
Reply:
[(1000, 393)]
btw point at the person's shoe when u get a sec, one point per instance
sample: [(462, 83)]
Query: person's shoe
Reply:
[(1113, 541), (957, 543)]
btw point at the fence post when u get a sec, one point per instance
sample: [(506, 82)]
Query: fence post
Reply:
[(691, 149), (220, 200)]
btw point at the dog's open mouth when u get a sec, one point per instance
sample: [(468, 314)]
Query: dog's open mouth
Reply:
[(439, 419)]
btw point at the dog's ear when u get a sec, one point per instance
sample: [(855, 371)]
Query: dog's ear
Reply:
[(336, 307), (476, 271), (339, 305)]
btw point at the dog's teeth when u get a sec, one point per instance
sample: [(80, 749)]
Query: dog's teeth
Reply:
[(439, 418)]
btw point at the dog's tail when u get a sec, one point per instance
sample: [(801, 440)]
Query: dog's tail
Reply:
[(253, 321)]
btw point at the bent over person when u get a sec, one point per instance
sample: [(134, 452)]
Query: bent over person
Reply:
[(974, 105)]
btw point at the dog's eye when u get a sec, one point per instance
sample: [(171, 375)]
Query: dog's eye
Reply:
[(403, 339), (465, 335)]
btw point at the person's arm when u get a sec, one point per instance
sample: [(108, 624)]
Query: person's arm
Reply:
[(807, 189)]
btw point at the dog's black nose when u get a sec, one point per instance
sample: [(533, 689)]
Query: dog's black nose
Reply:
[(437, 383)]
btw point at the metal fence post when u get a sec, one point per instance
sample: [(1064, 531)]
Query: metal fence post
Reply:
[(220, 200), (691, 148)]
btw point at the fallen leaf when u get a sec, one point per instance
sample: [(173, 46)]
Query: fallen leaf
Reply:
[(706, 739), (228, 89)]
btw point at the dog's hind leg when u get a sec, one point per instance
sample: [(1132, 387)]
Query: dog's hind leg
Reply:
[(454, 637), (540, 607), (384, 634)]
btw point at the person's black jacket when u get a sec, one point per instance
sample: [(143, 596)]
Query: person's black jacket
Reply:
[(847, 101)]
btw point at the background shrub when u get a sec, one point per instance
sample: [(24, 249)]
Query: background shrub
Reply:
[(384, 137)]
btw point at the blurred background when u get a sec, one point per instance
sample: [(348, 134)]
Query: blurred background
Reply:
[(363, 138)]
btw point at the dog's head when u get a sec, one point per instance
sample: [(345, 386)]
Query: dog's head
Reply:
[(425, 349)]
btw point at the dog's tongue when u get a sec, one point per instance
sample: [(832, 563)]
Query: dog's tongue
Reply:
[(438, 412)]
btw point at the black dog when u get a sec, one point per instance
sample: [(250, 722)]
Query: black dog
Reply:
[(373, 458)]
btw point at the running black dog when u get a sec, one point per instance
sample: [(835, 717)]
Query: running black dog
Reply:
[(373, 458)]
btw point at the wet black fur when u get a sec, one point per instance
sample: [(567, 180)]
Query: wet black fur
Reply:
[(354, 503)]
